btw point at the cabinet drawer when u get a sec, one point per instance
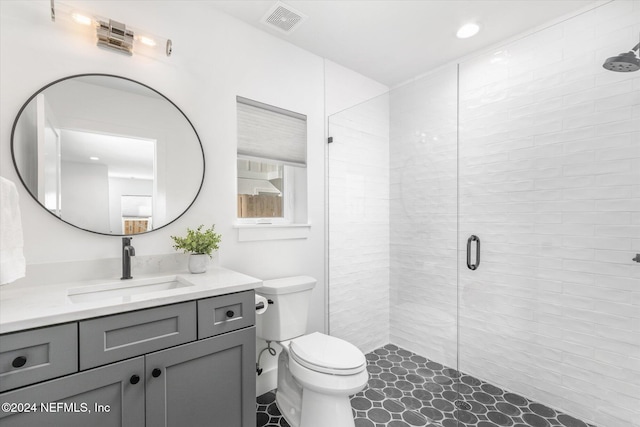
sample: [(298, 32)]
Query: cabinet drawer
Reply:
[(226, 313), (38, 355), (113, 338)]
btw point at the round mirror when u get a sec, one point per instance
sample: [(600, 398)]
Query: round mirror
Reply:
[(107, 154)]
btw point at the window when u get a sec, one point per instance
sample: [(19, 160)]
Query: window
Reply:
[(136, 214), (272, 159), (260, 189)]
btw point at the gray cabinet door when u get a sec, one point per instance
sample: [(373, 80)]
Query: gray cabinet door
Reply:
[(206, 383), (102, 397)]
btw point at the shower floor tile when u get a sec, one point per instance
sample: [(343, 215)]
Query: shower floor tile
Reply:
[(406, 390)]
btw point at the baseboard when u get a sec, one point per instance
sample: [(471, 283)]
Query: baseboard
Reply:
[(266, 381)]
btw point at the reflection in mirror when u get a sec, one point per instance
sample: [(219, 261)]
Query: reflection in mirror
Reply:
[(107, 154), (136, 214)]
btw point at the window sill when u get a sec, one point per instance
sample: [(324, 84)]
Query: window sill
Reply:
[(257, 232)]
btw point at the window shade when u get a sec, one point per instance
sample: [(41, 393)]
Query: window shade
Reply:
[(269, 132), (136, 206)]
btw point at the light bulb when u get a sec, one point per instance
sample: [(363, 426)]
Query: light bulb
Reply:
[(81, 19), (147, 40)]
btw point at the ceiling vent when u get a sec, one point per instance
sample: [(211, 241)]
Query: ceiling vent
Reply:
[(283, 18)]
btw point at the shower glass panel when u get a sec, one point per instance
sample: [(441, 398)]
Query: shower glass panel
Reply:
[(549, 182), (392, 168), (358, 170)]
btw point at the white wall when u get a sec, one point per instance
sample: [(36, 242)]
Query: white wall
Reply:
[(85, 200), (26, 154), (346, 88)]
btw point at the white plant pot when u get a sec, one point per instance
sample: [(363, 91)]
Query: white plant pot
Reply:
[(198, 263)]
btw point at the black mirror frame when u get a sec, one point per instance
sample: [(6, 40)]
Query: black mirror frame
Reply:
[(15, 166)]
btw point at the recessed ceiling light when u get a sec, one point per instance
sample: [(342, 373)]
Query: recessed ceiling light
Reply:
[(94, 158), (468, 30)]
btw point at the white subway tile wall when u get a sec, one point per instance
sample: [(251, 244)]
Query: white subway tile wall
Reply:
[(549, 149), (359, 224)]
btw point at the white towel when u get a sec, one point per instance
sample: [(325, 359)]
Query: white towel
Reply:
[(12, 262)]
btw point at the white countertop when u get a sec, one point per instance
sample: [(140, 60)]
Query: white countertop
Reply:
[(25, 307)]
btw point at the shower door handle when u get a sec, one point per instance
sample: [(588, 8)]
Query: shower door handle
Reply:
[(476, 239)]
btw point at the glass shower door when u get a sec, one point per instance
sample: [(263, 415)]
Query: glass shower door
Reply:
[(549, 185)]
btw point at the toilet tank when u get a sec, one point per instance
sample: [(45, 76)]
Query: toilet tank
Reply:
[(286, 318)]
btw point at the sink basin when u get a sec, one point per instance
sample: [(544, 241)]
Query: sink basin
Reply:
[(125, 288)]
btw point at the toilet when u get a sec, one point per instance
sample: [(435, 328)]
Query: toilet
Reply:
[(316, 372)]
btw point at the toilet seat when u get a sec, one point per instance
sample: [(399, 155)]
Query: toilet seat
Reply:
[(327, 354)]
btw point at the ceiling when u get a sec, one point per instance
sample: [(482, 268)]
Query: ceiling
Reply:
[(392, 41), (124, 157)]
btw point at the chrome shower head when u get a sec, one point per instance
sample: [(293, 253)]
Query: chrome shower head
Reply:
[(625, 62)]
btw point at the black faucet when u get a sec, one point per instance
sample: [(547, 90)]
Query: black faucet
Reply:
[(127, 252)]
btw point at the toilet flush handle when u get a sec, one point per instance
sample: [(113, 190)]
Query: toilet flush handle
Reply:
[(260, 305)]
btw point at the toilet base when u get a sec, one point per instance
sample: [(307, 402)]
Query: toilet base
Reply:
[(288, 409), (288, 393), (322, 410), (318, 410)]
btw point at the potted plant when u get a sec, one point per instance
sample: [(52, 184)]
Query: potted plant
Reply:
[(199, 244)]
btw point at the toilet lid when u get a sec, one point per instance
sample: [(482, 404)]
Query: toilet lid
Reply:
[(323, 353)]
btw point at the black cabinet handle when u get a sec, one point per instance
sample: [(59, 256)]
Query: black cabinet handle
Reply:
[(230, 313), (135, 379), (473, 238), (19, 362), (156, 373)]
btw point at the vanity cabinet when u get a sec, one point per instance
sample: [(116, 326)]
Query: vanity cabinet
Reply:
[(187, 364)]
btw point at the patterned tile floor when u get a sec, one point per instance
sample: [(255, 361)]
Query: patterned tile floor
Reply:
[(406, 389)]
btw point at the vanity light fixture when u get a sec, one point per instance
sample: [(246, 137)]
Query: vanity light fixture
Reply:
[(468, 30), (111, 34)]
